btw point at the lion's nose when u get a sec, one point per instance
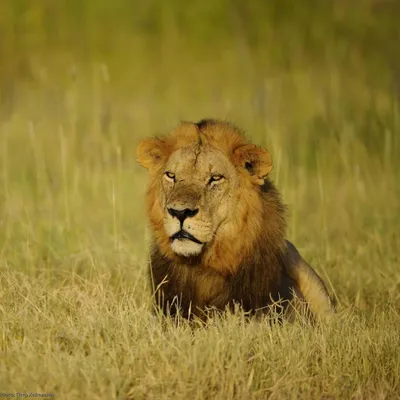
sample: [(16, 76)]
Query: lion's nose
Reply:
[(183, 214)]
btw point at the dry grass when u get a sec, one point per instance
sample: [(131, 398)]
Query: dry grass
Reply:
[(75, 304)]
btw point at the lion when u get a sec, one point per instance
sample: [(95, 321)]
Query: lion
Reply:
[(218, 227)]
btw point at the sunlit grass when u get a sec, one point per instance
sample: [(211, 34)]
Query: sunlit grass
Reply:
[(74, 296)]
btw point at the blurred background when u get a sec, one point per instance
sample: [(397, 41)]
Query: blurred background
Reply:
[(308, 69), (81, 82)]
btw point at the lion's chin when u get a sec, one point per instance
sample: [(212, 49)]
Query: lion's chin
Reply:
[(186, 247)]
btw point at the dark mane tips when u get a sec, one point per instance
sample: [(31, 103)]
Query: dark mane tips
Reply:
[(204, 123)]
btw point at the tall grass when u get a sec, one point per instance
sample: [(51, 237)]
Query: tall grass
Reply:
[(82, 82)]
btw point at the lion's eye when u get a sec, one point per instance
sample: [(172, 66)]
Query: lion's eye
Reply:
[(170, 176), (216, 178)]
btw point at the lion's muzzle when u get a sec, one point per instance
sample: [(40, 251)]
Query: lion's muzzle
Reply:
[(181, 226)]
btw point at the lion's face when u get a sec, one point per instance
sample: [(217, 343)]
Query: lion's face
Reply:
[(198, 184), (203, 181)]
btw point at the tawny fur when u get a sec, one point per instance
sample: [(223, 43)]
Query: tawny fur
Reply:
[(246, 260)]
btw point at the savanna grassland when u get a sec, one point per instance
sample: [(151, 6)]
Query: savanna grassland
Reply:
[(317, 83)]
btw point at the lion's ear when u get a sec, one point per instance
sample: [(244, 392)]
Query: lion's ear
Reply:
[(256, 161), (151, 152)]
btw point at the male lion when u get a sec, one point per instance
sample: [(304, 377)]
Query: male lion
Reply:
[(218, 226)]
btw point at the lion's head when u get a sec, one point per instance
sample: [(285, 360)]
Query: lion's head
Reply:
[(204, 196)]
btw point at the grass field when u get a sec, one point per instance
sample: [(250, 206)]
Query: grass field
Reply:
[(81, 84)]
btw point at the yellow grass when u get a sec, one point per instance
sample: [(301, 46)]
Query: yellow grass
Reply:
[(81, 85)]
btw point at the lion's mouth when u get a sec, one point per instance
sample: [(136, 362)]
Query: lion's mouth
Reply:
[(184, 235)]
